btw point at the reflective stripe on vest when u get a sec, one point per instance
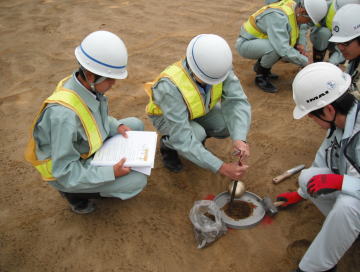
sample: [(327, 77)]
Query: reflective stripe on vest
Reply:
[(288, 7), (73, 101), (330, 15), (188, 88)]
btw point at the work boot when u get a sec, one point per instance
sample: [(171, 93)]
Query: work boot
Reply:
[(263, 82), (257, 68), (170, 157), (262, 79), (318, 56), (79, 205)]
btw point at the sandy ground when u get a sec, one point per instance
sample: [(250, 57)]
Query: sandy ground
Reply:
[(151, 232)]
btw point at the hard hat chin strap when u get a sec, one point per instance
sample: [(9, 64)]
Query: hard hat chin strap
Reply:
[(98, 80), (192, 74), (332, 123)]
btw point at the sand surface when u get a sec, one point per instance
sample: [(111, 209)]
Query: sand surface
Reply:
[(151, 232)]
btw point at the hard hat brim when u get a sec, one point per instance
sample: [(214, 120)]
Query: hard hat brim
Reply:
[(337, 39), (298, 113)]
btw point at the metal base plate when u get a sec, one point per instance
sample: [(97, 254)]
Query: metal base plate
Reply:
[(257, 215)]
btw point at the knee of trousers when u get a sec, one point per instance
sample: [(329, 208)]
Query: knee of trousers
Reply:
[(269, 59), (134, 123), (238, 44), (219, 133), (132, 182), (307, 174)]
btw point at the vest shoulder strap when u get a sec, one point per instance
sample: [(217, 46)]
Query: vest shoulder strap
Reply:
[(73, 101)]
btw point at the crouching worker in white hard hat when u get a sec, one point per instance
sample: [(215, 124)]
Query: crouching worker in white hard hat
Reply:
[(196, 98), (346, 35), (73, 123), (321, 33), (332, 183), (272, 33)]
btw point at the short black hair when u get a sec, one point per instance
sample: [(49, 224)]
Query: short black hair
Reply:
[(82, 73), (342, 105)]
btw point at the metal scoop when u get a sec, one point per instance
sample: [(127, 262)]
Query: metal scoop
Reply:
[(236, 188)]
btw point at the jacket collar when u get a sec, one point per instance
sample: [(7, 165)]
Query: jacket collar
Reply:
[(89, 98)]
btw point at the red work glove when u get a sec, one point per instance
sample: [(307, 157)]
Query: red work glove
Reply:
[(290, 198), (324, 184)]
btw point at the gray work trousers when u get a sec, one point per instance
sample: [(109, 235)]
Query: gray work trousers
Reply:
[(340, 229), (210, 125), (319, 37), (256, 49), (124, 187)]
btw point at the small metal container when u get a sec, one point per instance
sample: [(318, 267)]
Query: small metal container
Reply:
[(257, 215)]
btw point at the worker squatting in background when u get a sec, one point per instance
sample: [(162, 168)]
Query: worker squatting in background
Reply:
[(273, 33)]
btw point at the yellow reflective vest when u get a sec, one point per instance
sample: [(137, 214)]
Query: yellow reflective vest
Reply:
[(330, 15), (73, 101), (288, 7), (188, 88)]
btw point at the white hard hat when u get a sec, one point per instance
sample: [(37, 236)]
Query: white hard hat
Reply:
[(316, 9), (103, 53), (346, 24), (341, 3), (209, 58), (317, 85)]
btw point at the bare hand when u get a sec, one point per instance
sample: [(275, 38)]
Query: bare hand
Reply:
[(301, 49), (122, 130), (233, 170), (120, 170), (241, 150)]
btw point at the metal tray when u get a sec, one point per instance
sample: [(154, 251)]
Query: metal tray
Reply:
[(258, 213)]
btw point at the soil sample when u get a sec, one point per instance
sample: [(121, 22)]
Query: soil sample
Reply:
[(239, 210)]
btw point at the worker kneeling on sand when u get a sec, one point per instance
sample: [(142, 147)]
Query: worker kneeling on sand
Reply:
[(273, 32), (332, 183), (196, 98), (73, 123)]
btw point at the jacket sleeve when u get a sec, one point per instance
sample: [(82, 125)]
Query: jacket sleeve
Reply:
[(336, 57), (320, 157), (351, 181), (176, 117), (60, 132), (235, 108), (113, 124), (276, 25), (304, 28), (351, 186)]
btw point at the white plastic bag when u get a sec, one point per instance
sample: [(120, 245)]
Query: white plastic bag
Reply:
[(206, 219)]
